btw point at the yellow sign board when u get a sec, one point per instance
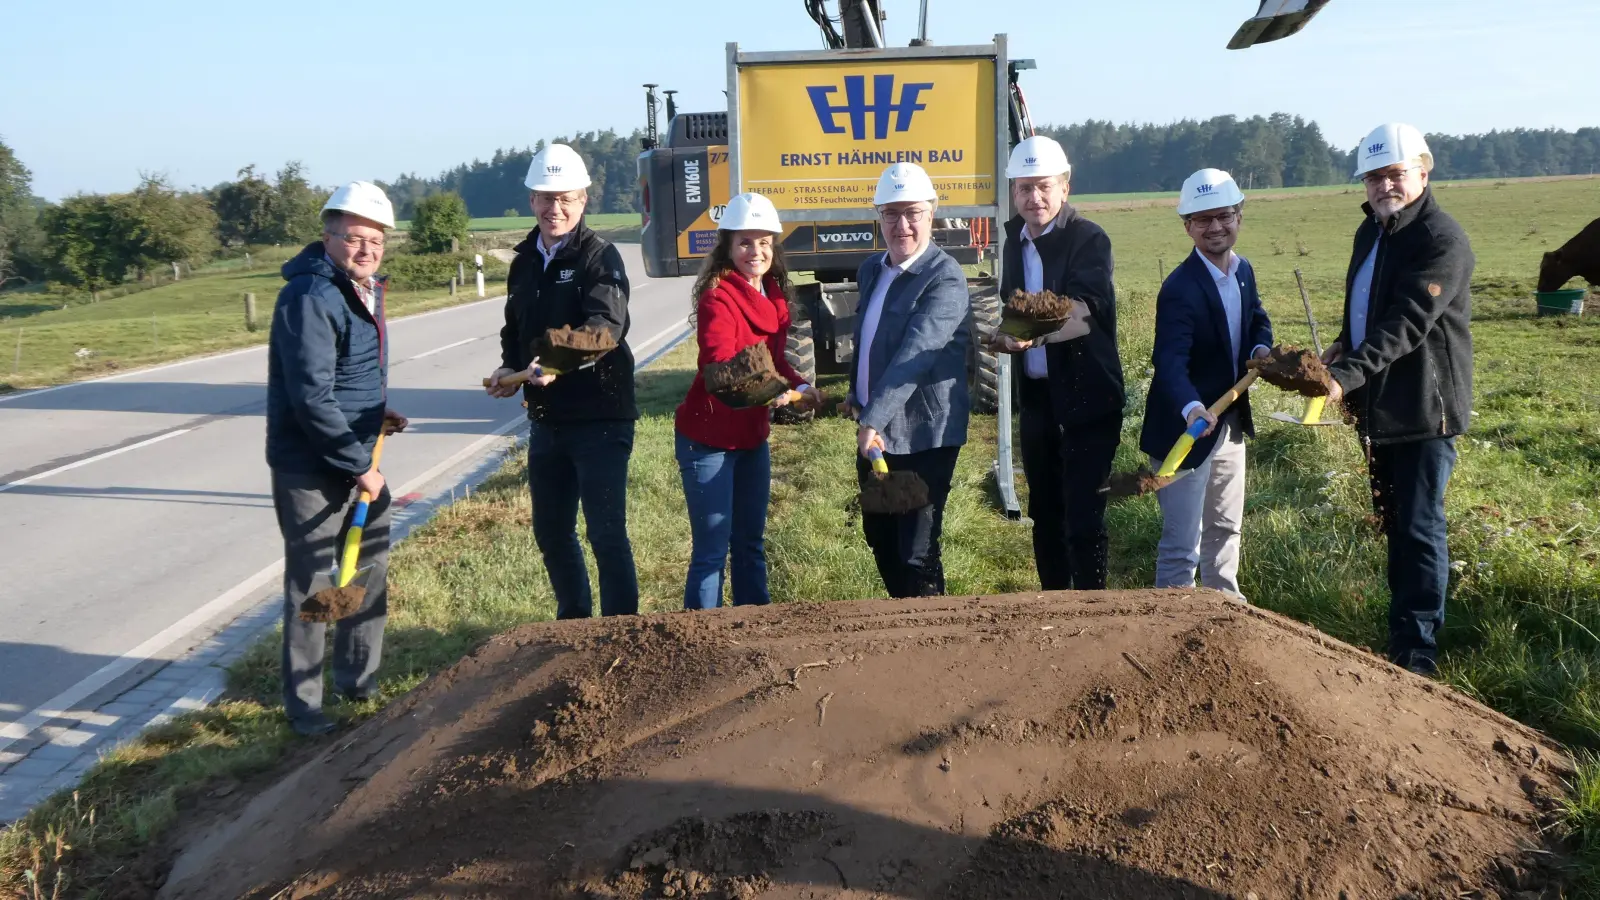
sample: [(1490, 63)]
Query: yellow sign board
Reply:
[(816, 136)]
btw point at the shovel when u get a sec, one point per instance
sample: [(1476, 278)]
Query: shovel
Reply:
[(516, 378), (1143, 481), (339, 594), (1313, 414), (889, 493)]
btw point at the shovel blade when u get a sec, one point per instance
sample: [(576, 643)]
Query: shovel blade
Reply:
[(1285, 417), (329, 602)]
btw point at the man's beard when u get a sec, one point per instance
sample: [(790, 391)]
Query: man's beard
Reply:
[(1388, 206)]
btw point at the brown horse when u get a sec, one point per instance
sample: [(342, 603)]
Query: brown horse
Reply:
[(1579, 257)]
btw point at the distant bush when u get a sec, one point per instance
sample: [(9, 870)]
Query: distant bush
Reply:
[(510, 214), (436, 221), (420, 271)]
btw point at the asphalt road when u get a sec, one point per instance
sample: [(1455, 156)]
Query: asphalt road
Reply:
[(132, 505)]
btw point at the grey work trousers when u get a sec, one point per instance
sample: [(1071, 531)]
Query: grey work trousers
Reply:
[(1201, 517), (313, 512)]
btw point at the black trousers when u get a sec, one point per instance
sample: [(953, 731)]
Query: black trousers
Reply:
[(1065, 468), (906, 546), (1408, 482)]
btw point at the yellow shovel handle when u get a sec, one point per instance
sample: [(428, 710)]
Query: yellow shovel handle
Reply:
[(1313, 410), (352, 537), (1175, 457)]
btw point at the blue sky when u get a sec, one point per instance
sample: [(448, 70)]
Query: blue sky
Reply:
[(93, 93)]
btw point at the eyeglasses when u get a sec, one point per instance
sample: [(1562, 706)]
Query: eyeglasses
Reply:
[(354, 242), (1223, 219), (1378, 178), (910, 216), (563, 201)]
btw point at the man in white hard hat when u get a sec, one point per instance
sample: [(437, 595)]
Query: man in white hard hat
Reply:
[(908, 388), (580, 435), (327, 379), (1070, 383), (1209, 323), (1403, 367)]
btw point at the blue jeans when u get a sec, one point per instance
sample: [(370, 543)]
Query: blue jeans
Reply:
[(727, 493), (1408, 483), (583, 462)]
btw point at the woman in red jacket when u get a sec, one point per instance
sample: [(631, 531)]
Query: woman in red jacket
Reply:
[(722, 452)]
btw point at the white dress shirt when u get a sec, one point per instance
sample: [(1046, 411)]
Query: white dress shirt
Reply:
[(1361, 298), (1034, 362), (1233, 308), (551, 253), (870, 316)]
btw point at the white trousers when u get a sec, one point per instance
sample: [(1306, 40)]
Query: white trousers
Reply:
[(1201, 515)]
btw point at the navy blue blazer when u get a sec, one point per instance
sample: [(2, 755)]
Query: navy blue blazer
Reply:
[(917, 364), (1193, 354)]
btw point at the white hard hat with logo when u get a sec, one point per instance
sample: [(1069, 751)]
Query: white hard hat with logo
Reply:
[(904, 183), (1208, 189), (557, 169), (1392, 143), (1038, 156), (750, 212), (364, 199)]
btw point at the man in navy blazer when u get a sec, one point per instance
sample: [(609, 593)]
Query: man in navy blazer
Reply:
[(908, 389), (1209, 323)]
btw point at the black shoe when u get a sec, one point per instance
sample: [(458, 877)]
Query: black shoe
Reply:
[(359, 696), (313, 725)]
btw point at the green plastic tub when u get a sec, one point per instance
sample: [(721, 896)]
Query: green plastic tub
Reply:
[(1561, 303)]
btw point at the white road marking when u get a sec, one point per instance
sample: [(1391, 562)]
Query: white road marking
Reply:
[(667, 332), (96, 458), (442, 349)]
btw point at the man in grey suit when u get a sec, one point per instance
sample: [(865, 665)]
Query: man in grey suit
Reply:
[(909, 387)]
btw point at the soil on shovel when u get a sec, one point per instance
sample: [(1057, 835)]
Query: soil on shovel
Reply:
[(893, 493), (748, 379), (1139, 745), (567, 348), (333, 604), (1295, 369), (1137, 483), (1026, 316)]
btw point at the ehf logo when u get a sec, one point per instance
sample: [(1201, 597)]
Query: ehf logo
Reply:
[(882, 108), (1031, 161), (1203, 189), (566, 276), (552, 170), (1375, 148)]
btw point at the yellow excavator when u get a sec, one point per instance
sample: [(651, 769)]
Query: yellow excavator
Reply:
[(812, 130)]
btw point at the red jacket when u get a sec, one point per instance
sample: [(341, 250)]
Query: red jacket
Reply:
[(729, 318)]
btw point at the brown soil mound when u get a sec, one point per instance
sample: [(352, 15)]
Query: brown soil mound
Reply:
[(1295, 369), (749, 379), (333, 604), (1137, 483), (1147, 745), (1027, 316), (565, 348)]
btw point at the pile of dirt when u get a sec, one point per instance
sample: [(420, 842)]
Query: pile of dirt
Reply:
[(1032, 315), (1141, 481), (565, 349), (1295, 369), (1142, 745), (333, 604), (748, 379)]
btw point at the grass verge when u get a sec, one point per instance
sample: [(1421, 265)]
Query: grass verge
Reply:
[(1523, 628)]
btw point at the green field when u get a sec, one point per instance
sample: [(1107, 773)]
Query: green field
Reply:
[(1523, 632), (597, 221)]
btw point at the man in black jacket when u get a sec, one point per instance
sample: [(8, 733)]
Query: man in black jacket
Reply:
[(1070, 383), (580, 435), (1403, 366)]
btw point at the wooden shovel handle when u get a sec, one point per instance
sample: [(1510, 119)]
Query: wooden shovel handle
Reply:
[(1234, 393)]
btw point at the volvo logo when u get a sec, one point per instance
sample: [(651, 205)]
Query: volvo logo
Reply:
[(848, 237)]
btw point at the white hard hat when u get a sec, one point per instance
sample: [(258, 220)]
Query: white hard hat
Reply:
[(364, 199), (1036, 157), (750, 212), (904, 183), (558, 169), (1208, 189), (1392, 143)]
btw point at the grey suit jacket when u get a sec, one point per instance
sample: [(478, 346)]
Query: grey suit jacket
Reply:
[(917, 364)]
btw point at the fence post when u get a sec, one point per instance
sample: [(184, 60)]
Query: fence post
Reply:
[(249, 311), (155, 334), (16, 364), (175, 275), (247, 259), (452, 285), (461, 272), (455, 245), (1161, 270), (479, 260)]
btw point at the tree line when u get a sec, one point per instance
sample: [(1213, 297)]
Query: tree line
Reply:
[(92, 241)]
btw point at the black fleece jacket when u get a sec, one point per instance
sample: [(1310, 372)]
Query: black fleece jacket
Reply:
[(1411, 378), (585, 284)]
